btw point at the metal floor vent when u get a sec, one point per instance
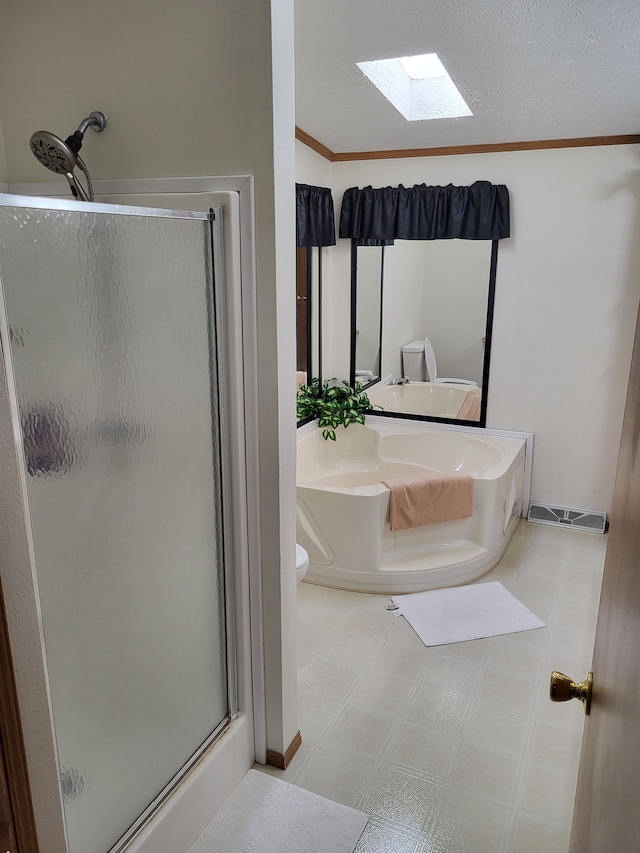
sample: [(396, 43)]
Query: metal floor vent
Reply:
[(564, 516)]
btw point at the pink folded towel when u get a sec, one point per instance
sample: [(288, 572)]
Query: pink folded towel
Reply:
[(429, 499), (301, 378), (470, 408)]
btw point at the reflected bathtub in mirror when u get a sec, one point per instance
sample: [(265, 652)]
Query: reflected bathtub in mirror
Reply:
[(343, 504), (428, 399)]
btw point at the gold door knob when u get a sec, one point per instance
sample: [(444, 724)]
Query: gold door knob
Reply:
[(562, 688)]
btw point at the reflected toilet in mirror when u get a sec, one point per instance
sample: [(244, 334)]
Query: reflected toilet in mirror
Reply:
[(419, 363), (458, 399)]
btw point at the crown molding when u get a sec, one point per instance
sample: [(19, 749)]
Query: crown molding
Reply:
[(486, 148)]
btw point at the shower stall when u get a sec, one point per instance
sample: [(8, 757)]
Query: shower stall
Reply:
[(114, 335)]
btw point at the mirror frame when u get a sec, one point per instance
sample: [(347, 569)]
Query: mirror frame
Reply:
[(311, 311), (493, 265), (303, 268)]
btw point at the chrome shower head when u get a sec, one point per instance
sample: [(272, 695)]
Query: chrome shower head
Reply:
[(52, 152), (61, 157)]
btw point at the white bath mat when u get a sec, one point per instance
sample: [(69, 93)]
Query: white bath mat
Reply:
[(461, 613), (267, 815)]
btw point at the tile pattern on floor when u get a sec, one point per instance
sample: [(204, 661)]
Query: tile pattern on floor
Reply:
[(454, 749)]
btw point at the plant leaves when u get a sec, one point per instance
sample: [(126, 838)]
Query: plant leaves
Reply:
[(334, 404)]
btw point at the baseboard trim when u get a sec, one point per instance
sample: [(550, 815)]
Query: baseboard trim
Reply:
[(282, 760)]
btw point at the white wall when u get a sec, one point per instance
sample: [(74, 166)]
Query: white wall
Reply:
[(568, 285), (3, 160), (311, 168), (277, 411), (368, 310), (189, 89), (454, 313), (403, 297)]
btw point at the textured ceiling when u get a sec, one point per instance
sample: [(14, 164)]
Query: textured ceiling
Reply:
[(528, 69)]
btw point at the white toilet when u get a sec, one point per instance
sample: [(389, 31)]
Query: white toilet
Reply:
[(419, 355), (302, 562)]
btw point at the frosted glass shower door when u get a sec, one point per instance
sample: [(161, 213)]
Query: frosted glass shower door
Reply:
[(111, 316)]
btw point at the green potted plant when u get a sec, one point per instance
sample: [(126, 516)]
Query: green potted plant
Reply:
[(333, 404)]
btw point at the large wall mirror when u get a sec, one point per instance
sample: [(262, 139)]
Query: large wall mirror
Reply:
[(412, 290), (308, 313), (315, 230), (436, 249)]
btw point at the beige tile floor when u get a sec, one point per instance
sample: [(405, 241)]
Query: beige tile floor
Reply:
[(455, 749)]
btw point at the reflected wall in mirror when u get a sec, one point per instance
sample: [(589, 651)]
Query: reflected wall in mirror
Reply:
[(368, 313), (441, 290)]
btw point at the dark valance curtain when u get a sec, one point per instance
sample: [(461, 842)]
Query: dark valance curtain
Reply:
[(478, 212), (315, 220)]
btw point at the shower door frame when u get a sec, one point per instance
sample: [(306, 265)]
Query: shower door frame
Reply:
[(166, 829)]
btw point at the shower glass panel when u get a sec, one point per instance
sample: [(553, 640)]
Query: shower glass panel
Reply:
[(113, 350)]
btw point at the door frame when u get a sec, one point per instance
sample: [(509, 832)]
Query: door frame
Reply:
[(204, 789), (605, 813), (13, 758)]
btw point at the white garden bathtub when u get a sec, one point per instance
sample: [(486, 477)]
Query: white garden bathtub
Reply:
[(436, 399), (343, 507)]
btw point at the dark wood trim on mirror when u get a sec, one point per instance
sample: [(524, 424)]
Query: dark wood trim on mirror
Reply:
[(302, 310), (308, 312), (354, 317), (484, 148), (318, 308), (311, 313), (491, 297), (381, 314)]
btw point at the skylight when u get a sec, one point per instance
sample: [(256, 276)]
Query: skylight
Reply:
[(417, 86)]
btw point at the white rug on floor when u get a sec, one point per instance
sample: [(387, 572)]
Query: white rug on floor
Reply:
[(267, 815), (461, 613)]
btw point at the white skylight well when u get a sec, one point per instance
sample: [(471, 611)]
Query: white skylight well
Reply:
[(417, 86)]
